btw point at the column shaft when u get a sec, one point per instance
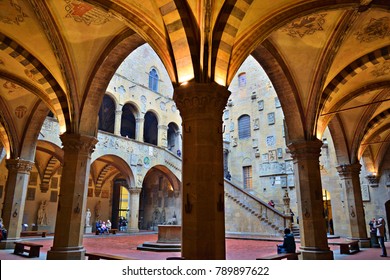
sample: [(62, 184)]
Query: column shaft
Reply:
[(349, 175), (70, 220), (118, 122), (203, 223), (134, 208), (15, 197), (314, 243), (139, 129)]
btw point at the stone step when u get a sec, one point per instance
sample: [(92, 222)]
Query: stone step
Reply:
[(160, 247)]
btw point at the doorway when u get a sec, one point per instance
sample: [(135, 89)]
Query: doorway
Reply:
[(328, 212)]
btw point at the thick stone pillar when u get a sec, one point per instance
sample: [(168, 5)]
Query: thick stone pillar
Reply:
[(314, 242), (134, 209), (68, 238), (15, 197), (203, 222), (349, 175), (139, 129), (162, 136), (118, 121)]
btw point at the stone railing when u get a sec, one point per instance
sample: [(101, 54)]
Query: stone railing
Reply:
[(268, 220)]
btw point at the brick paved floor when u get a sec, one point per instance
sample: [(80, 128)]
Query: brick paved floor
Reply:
[(237, 247)]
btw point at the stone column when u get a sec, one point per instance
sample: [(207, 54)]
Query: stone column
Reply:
[(14, 200), (68, 238), (118, 121), (134, 208), (314, 242), (139, 129), (162, 140), (350, 180), (203, 223)]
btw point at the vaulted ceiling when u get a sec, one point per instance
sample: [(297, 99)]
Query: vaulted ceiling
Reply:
[(328, 60)]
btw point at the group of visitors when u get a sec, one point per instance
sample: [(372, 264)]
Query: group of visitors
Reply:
[(378, 229), (103, 227)]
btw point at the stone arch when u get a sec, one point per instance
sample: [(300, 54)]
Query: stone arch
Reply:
[(107, 167), (109, 61), (160, 198), (40, 78)]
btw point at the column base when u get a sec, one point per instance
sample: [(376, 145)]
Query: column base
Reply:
[(132, 230), (66, 253), (315, 254), (9, 243)]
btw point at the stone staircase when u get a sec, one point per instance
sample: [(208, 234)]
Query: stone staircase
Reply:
[(271, 221), (295, 230)]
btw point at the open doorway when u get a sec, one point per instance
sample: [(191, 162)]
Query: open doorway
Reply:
[(328, 212), (120, 205)]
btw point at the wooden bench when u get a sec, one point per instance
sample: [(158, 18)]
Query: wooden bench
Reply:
[(113, 230), (101, 256), (20, 249), (34, 233), (288, 256), (347, 246)]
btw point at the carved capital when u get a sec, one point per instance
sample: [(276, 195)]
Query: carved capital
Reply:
[(194, 99), (135, 191), (76, 143), (305, 149), (19, 165), (348, 170)]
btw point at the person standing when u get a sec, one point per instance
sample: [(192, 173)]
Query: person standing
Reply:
[(380, 232)]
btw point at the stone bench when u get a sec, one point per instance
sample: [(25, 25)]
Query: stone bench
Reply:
[(347, 246), (288, 256), (25, 247), (33, 233), (101, 256)]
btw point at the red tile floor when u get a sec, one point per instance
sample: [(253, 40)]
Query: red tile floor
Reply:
[(237, 247)]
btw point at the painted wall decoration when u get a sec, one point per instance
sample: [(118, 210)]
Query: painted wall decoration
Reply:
[(20, 111), (271, 118), (307, 25), (272, 155), (14, 14), (382, 69), (376, 28), (85, 13)]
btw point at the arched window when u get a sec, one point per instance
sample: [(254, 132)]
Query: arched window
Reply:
[(244, 127), (128, 123), (173, 137), (242, 79), (150, 128), (107, 115), (153, 80)]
